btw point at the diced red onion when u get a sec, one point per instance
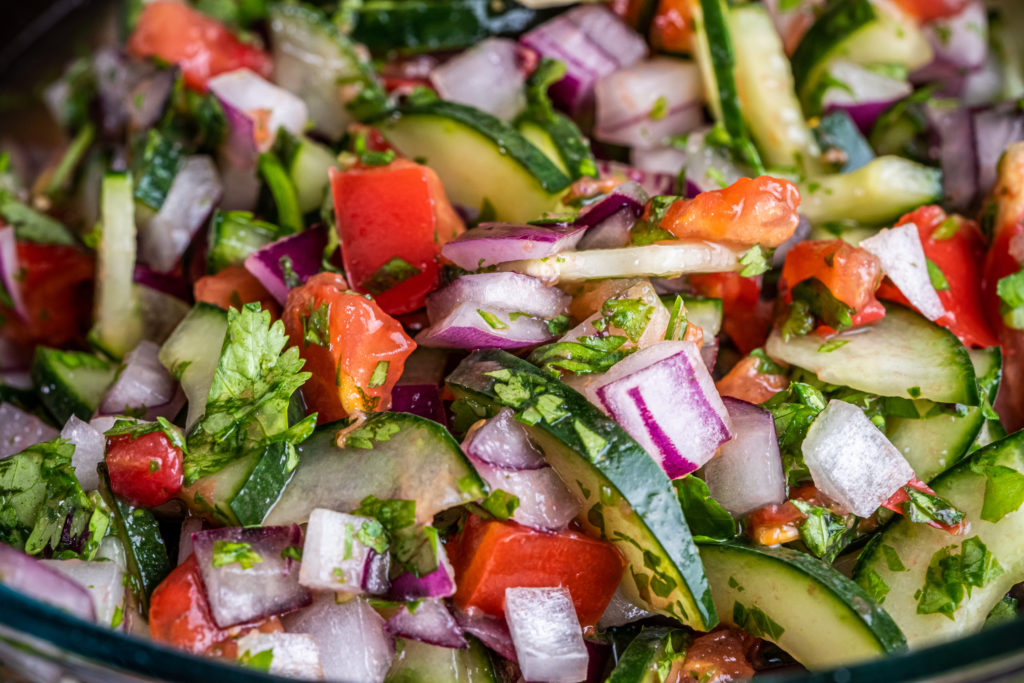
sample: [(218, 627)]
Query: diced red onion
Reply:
[(248, 92), (953, 126), (305, 252), (492, 243), (490, 631), (486, 76), (333, 558), (14, 358), (90, 446), (983, 86), (470, 327), (171, 285), (439, 583), (630, 197), (237, 594), (544, 501), (429, 622), (17, 379), (962, 39), (621, 611), (903, 261), (994, 130), (418, 390), (189, 526), (376, 572), (19, 430), (592, 42), (747, 472), (130, 91), (851, 461), (707, 166), (104, 581), (499, 291), (666, 159), (194, 193), (143, 383), (237, 159), (9, 270), (351, 637), (149, 99), (644, 104), (611, 233), (546, 633), (654, 184), (861, 92), (709, 353), (641, 290), (30, 577), (665, 398), (501, 441), (793, 19), (295, 655)]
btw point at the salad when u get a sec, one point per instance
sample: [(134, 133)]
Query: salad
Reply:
[(395, 340)]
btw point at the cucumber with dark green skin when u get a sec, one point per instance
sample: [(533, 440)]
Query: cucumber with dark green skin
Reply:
[(234, 235), (837, 131), (32, 226), (418, 460), (158, 165), (626, 496), (482, 162), (412, 26), (71, 382), (914, 545), (145, 552), (642, 659), (558, 133), (417, 662), (934, 444), (903, 354), (814, 613)]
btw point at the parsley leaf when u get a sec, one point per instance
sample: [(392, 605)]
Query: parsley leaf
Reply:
[(316, 325), (825, 534), (378, 428), (380, 374), (951, 576), (754, 621), (874, 585), (629, 315), (394, 514), (819, 302), (793, 411), (372, 535), (248, 401), (136, 428), (260, 661), (922, 506), (707, 519)]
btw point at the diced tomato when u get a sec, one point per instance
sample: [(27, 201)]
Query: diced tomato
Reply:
[(392, 221), (201, 47), (958, 257), (896, 501), (672, 27), (145, 470), (777, 523), (719, 656), (746, 319), (179, 613), (355, 350), (929, 10), (56, 287), (490, 556), (747, 383), (232, 287), (751, 211), (851, 274)]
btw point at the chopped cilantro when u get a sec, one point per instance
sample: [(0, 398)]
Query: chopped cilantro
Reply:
[(500, 504), (260, 661), (707, 519), (874, 585), (659, 109), (892, 559), (922, 506), (316, 325), (372, 535), (830, 346), (380, 374), (677, 322), (492, 320), (1004, 488), (378, 429), (1011, 292), (558, 325), (936, 276), (1004, 611), (393, 513), (951, 576), (231, 552), (823, 532), (818, 301), (134, 429), (947, 229), (394, 272), (583, 356), (629, 315), (593, 443), (755, 261), (292, 552)]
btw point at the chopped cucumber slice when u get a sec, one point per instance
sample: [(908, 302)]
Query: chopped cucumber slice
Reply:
[(71, 382), (417, 662), (192, 352)]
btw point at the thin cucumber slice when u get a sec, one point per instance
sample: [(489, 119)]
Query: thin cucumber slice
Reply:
[(192, 352)]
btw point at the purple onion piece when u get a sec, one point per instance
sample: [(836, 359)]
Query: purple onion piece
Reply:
[(747, 472), (238, 594), (502, 441), (419, 399), (511, 292), (664, 397), (143, 384), (246, 91), (237, 159), (430, 622), (487, 76), (490, 631), (630, 196), (172, 285), (961, 41), (439, 583), (544, 501), (30, 577), (9, 270), (304, 250), (865, 94), (994, 130), (491, 243), (470, 327), (90, 447), (19, 430), (953, 127), (654, 184), (375, 573), (611, 233)]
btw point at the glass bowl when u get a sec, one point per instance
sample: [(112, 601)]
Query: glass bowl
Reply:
[(41, 644)]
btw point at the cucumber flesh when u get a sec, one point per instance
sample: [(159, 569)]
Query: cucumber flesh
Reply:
[(308, 169), (118, 324), (234, 235), (483, 163), (627, 497), (764, 84), (814, 613), (419, 460), (879, 192), (192, 352), (903, 354), (417, 662), (916, 544), (71, 382), (705, 313)]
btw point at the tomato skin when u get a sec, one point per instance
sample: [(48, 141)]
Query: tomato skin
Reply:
[(850, 273), (745, 382), (145, 470), (751, 211), (673, 25), (201, 46), (232, 287), (383, 212), (746, 319), (929, 10), (359, 337), (959, 258), (490, 556), (56, 286)]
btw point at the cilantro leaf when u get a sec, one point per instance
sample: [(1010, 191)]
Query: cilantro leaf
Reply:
[(1004, 488), (260, 661), (500, 504), (394, 272), (394, 514), (136, 428), (824, 533), (755, 261), (1004, 611), (249, 396), (819, 302), (874, 585), (950, 576), (629, 315), (232, 552), (754, 621), (922, 506), (1011, 293), (936, 276), (583, 356), (707, 519), (793, 411)]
